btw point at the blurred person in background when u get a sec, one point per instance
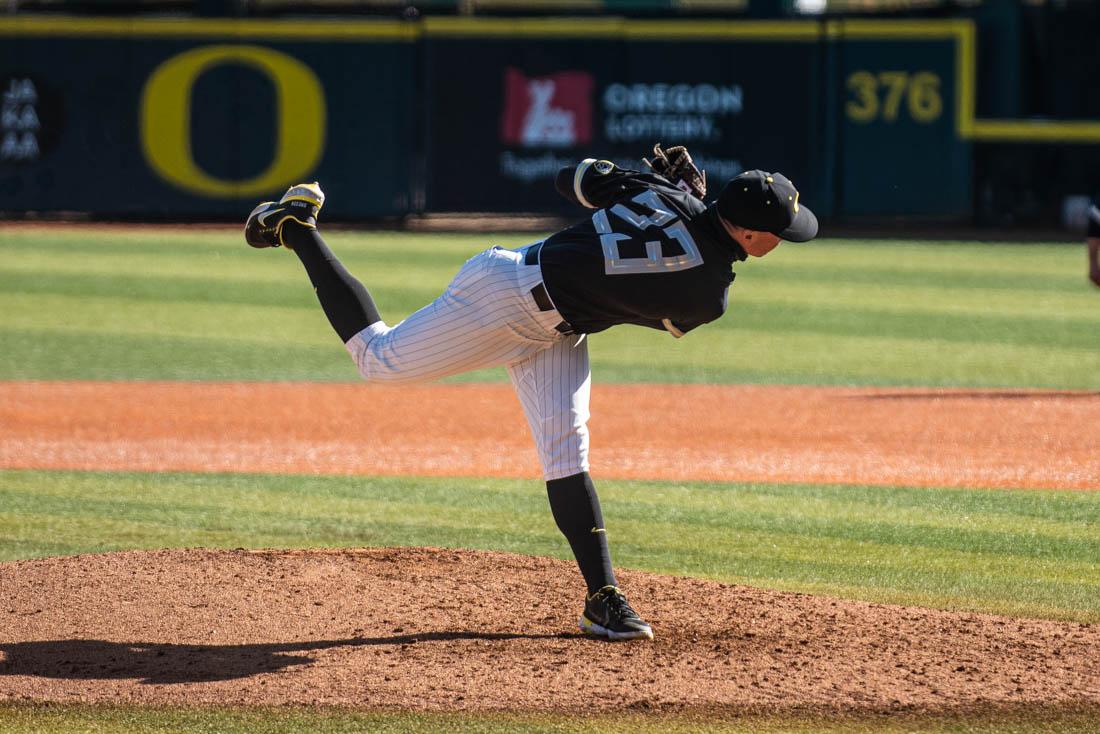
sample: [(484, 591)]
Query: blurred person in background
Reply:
[(1093, 242)]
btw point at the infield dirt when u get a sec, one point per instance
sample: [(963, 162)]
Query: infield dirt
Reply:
[(950, 438), (431, 629)]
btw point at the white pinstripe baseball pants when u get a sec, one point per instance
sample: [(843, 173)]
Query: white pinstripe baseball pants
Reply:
[(487, 318)]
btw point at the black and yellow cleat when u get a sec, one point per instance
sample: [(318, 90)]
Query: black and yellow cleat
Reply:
[(302, 203), (608, 614)]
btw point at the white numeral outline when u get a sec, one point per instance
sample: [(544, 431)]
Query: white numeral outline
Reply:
[(659, 216)]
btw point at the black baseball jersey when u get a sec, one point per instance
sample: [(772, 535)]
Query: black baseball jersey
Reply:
[(651, 254), (1094, 221)]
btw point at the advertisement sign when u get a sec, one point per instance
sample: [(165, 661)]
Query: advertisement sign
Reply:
[(902, 154), (20, 124), (186, 118), (548, 112), (182, 119), (514, 112)]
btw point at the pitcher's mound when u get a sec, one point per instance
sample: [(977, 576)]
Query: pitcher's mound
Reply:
[(421, 628)]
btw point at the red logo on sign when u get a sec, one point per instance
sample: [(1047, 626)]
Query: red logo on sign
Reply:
[(547, 111)]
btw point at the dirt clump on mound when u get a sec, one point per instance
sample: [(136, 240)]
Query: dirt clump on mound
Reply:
[(431, 629)]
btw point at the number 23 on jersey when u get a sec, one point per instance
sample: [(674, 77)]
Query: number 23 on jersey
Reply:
[(621, 223)]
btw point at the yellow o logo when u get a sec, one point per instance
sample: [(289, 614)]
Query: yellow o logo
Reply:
[(166, 119)]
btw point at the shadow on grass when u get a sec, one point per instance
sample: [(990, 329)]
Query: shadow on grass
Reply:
[(981, 395), (157, 663)]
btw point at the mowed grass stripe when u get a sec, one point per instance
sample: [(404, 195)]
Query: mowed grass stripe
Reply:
[(25, 718), (961, 279), (222, 270), (811, 357), (752, 314), (780, 269), (1015, 552), (767, 510), (889, 255), (880, 313), (27, 355), (625, 355), (117, 316), (35, 354), (117, 310), (926, 299)]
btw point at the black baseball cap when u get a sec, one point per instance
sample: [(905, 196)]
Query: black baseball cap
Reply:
[(767, 202)]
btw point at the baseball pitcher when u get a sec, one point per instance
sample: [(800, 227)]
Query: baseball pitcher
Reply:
[(651, 253)]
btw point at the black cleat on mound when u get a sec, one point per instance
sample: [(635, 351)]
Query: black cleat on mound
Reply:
[(608, 614), (302, 203)]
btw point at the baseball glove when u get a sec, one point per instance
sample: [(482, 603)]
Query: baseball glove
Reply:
[(676, 165)]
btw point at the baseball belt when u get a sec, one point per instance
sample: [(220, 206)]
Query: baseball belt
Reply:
[(539, 294)]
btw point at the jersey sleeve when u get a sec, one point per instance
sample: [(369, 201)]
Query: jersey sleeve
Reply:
[(595, 184), (1094, 221)]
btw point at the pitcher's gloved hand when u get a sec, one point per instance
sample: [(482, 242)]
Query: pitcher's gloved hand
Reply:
[(676, 165)]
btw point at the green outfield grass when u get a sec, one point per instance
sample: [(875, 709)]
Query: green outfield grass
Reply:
[(58, 719), (1024, 553), (197, 304), (175, 303)]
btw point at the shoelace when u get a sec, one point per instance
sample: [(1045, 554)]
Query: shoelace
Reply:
[(618, 607)]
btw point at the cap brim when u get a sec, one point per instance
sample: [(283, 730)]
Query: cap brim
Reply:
[(803, 228)]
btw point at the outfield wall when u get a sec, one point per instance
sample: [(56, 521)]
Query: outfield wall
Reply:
[(200, 118)]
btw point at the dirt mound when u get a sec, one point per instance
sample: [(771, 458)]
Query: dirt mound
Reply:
[(423, 628)]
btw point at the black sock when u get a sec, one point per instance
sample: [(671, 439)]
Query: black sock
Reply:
[(576, 510), (345, 300)]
